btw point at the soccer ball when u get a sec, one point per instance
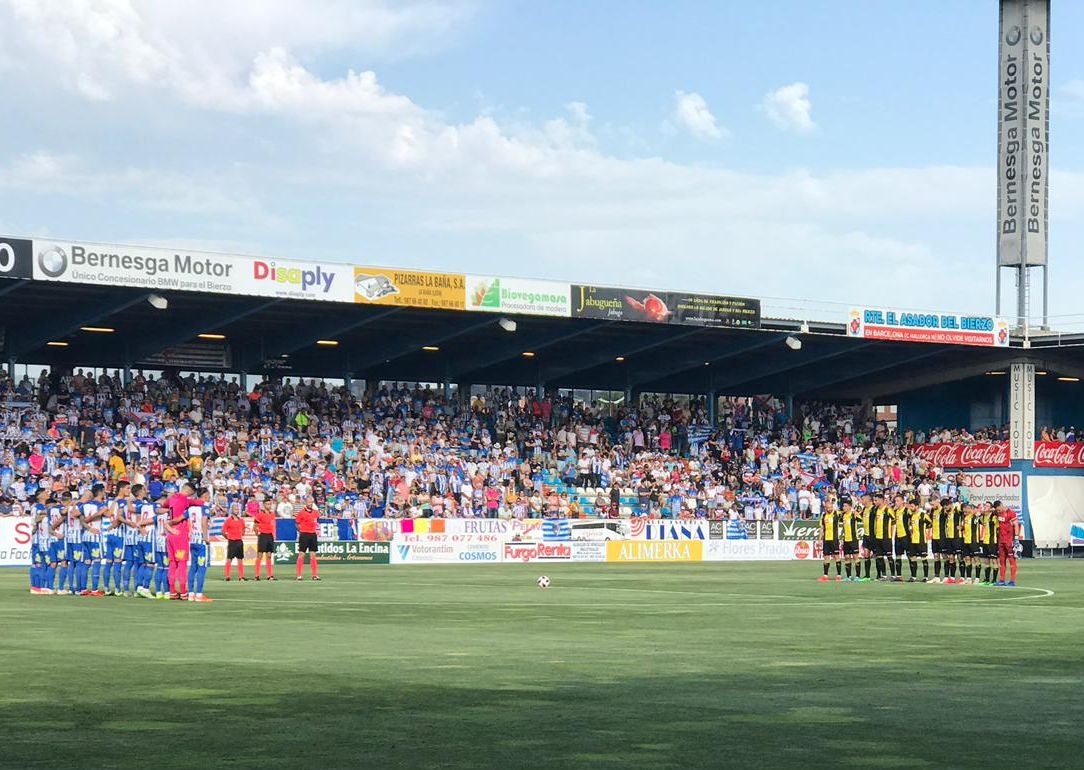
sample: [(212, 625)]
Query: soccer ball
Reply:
[(543, 582)]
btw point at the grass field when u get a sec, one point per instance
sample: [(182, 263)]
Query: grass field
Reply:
[(707, 665)]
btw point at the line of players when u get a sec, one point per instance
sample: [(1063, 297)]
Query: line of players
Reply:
[(127, 546), (970, 544)]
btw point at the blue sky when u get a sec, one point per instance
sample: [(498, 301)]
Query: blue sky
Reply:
[(834, 152)]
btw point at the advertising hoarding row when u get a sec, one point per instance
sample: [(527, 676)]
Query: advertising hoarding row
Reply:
[(167, 269), (995, 454)]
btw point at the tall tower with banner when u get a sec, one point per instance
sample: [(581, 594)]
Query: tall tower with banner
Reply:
[(1023, 143)]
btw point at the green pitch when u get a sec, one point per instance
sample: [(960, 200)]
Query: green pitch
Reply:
[(660, 666)]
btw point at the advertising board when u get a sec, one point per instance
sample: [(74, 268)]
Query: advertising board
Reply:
[(157, 268), (668, 307), (756, 550), (338, 552), (988, 486), (442, 551), (409, 288), (902, 325), (654, 551), (15, 541), (493, 294)]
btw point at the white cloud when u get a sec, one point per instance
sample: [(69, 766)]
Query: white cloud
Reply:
[(691, 113), (470, 193), (789, 108)]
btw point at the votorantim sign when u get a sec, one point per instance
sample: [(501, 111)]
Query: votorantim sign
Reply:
[(1023, 132)]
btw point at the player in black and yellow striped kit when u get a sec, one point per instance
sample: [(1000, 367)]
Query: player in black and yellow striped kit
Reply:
[(882, 538), (917, 522), (989, 546), (899, 532), (849, 519), (869, 548), (831, 525)]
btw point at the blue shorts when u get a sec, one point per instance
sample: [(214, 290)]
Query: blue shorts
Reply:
[(161, 559), (197, 553), (38, 555), (73, 552), (92, 551), (114, 548), (56, 551), (144, 553), (131, 554)]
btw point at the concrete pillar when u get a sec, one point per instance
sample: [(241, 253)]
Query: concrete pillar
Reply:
[(713, 406)]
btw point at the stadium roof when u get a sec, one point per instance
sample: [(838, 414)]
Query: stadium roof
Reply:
[(267, 335)]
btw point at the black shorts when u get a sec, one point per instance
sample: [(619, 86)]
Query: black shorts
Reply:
[(884, 546), (957, 546), (942, 546), (972, 549), (265, 543), (917, 550), (869, 544), (235, 549), (901, 546), (306, 543), (831, 548), (989, 550), (850, 548)]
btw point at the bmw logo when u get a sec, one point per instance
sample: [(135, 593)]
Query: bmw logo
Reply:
[(53, 261), (1012, 37)]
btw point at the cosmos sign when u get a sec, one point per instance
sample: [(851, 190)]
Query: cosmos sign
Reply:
[(665, 307)]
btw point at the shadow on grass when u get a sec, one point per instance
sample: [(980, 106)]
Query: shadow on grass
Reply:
[(807, 718)]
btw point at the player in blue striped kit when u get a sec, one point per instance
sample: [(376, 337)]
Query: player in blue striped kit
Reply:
[(141, 522), (199, 526), (41, 540), (125, 564), (58, 527), (113, 540), (74, 553), (91, 513)]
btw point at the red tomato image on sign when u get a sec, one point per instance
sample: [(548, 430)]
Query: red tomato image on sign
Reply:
[(653, 308)]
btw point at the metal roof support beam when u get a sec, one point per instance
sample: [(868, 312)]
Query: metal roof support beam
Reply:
[(518, 344), (731, 351), (796, 361), (12, 284), (306, 337), (63, 325), (834, 378), (892, 387), (149, 346), (609, 354), (368, 359)]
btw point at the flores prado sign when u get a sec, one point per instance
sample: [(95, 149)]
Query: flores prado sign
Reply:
[(167, 269), (981, 455)]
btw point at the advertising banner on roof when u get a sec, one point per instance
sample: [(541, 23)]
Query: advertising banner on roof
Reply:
[(666, 307), (162, 269), (908, 326), (492, 294), (409, 288)]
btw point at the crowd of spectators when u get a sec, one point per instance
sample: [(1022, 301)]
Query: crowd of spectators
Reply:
[(405, 451)]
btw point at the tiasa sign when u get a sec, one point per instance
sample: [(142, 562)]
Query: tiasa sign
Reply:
[(644, 529)]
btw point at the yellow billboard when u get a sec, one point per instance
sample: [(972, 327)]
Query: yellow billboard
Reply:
[(410, 288), (652, 550)]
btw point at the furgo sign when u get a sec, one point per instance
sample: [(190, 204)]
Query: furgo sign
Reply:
[(646, 550), (340, 551), (527, 552), (793, 529)]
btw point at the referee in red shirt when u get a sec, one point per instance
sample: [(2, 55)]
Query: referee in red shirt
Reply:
[(234, 531), (264, 525), (308, 519)]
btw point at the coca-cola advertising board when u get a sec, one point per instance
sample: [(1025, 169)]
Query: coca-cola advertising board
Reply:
[(980, 455), (1058, 454)]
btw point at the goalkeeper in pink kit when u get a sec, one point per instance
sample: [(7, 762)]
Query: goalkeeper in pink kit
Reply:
[(177, 539)]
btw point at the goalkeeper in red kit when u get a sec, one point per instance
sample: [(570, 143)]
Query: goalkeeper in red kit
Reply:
[(1008, 533)]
